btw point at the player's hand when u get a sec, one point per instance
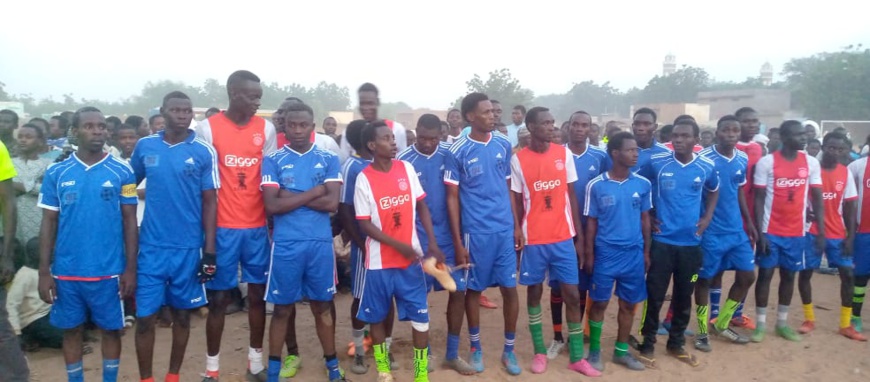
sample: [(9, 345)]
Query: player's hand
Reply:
[(654, 225), (462, 258), (47, 289), (128, 283), (752, 232), (434, 251), (589, 263), (702, 225), (820, 243), (848, 246), (646, 261), (7, 270), (579, 248), (408, 252), (763, 246), (519, 239), (207, 267)]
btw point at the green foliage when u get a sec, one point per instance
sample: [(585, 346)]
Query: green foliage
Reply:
[(831, 85), (680, 86), (500, 85)]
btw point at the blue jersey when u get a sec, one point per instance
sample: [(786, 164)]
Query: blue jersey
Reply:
[(430, 171), (349, 171), (177, 175), (481, 171), (644, 156), (297, 173), (591, 163), (678, 191), (618, 207), (727, 217), (90, 232)]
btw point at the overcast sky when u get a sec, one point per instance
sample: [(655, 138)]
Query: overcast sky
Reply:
[(420, 52)]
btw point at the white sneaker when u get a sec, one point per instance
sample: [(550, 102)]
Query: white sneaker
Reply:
[(555, 349)]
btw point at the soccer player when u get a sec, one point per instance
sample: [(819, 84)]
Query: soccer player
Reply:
[(241, 139), (428, 156), (369, 101), (88, 243), (784, 181), (840, 197), (177, 245), (861, 173), (547, 219), (644, 127), (589, 162), (388, 199), (301, 185), (680, 179), (617, 246), (725, 245), (127, 138), (478, 179)]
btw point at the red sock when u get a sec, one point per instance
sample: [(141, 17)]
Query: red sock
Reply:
[(172, 377), (670, 314)]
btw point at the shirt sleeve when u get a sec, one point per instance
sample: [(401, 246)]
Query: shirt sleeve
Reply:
[(271, 144), (570, 168), (517, 175), (851, 190), (349, 184), (137, 164), (344, 149), (210, 176), (742, 179), (203, 130), (48, 197), (762, 171), (333, 169), (128, 188), (856, 168), (646, 197), (591, 202), (508, 154), (270, 174), (417, 191), (815, 177), (362, 199), (451, 169), (712, 183), (7, 170)]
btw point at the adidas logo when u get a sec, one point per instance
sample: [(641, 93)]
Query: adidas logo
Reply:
[(318, 165), (189, 161), (498, 156), (635, 195), (697, 179), (592, 168), (108, 184), (525, 273), (275, 292), (739, 172)]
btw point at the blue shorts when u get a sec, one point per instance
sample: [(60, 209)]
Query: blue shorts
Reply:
[(556, 261), (493, 259), (167, 276), (726, 252), (250, 247), (77, 300), (784, 252), (459, 276), (358, 271), (301, 268), (583, 284), (833, 251), (861, 257), (625, 267), (407, 286)]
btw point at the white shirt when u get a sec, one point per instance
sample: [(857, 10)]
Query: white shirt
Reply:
[(398, 131), (325, 142), (23, 302)]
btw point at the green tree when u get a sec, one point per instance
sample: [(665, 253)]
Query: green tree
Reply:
[(832, 85), (680, 86), (3, 95), (502, 86)]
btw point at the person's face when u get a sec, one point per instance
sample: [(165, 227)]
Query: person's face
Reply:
[(42, 125), (278, 119), (92, 132), (158, 124), (427, 140), (298, 126), (127, 139), (728, 133), (594, 130), (749, 125), (445, 131), (144, 130), (835, 150), (517, 117), (543, 128), (578, 128), (496, 111), (482, 117), (7, 123), (384, 145), (706, 139), (810, 131), (245, 96), (627, 154), (813, 148), (643, 128), (368, 105), (177, 112), (54, 130), (329, 126), (410, 138), (28, 140), (794, 137), (684, 139), (454, 120)]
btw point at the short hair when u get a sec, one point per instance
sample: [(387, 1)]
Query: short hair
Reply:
[(114, 120), (469, 103), (666, 129), (710, 132), (369, 132), (521, 108), (615, 142), (684, 116), (62, 122), (696, 130), (532, 115), (241, 75), (40, 120), (429, 122), (328, 118), (126, 126), (11, 113), (152, 118), (495, 101), (786, 125), (726, 118), (175, 94), (814, 141), (773, 130), (296, 99), (212, 110), (353, 134), (39, 133), (829, 136), (368, 87), (579, 112), (743, 110), (134, 120), (298, 107), (645, 110), (77, 116)]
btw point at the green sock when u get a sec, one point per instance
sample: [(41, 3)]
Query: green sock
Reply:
[(621, 349), (725, 314), (702, 311), (382, 361), (537, 328), (595, 335), (421, 365), (575, 341)]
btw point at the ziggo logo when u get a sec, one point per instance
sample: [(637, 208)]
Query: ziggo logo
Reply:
[(786, 182), (235, 161), (388, 202), (546, 185)]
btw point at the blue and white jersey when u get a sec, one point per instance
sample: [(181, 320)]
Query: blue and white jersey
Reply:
[(430, 171), (618, 205), (589, 164), (644, 156), (727, 217)]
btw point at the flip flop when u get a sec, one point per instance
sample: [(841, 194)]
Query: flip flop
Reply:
[(441, 273), (685, 357), (647, 360)]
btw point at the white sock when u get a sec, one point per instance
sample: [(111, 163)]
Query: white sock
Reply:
[(358, 338), (782, 315), (389, 342), (761, 315), (213, 363), (255, 360)]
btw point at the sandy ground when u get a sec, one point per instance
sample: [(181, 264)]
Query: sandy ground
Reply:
[(822, 355)]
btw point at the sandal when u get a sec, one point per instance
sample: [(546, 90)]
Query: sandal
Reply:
[(685, 357), (647, 360)]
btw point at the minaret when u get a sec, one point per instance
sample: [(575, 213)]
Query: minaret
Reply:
[(766, 74), (670, 65)]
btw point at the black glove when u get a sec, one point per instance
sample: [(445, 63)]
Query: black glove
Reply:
[(207, 267)]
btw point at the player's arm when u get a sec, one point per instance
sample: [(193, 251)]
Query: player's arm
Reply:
[(209, 220), (10, 214), (346, 217), (759, 181), (375, 233), (711, 198), (815, 184), (47, 238), (579, 244), (591, 231), (426, 220), (850, 210), (454, 218), (276, 205), (329, 201), (646, 231), (748, 220), (131, 247)]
